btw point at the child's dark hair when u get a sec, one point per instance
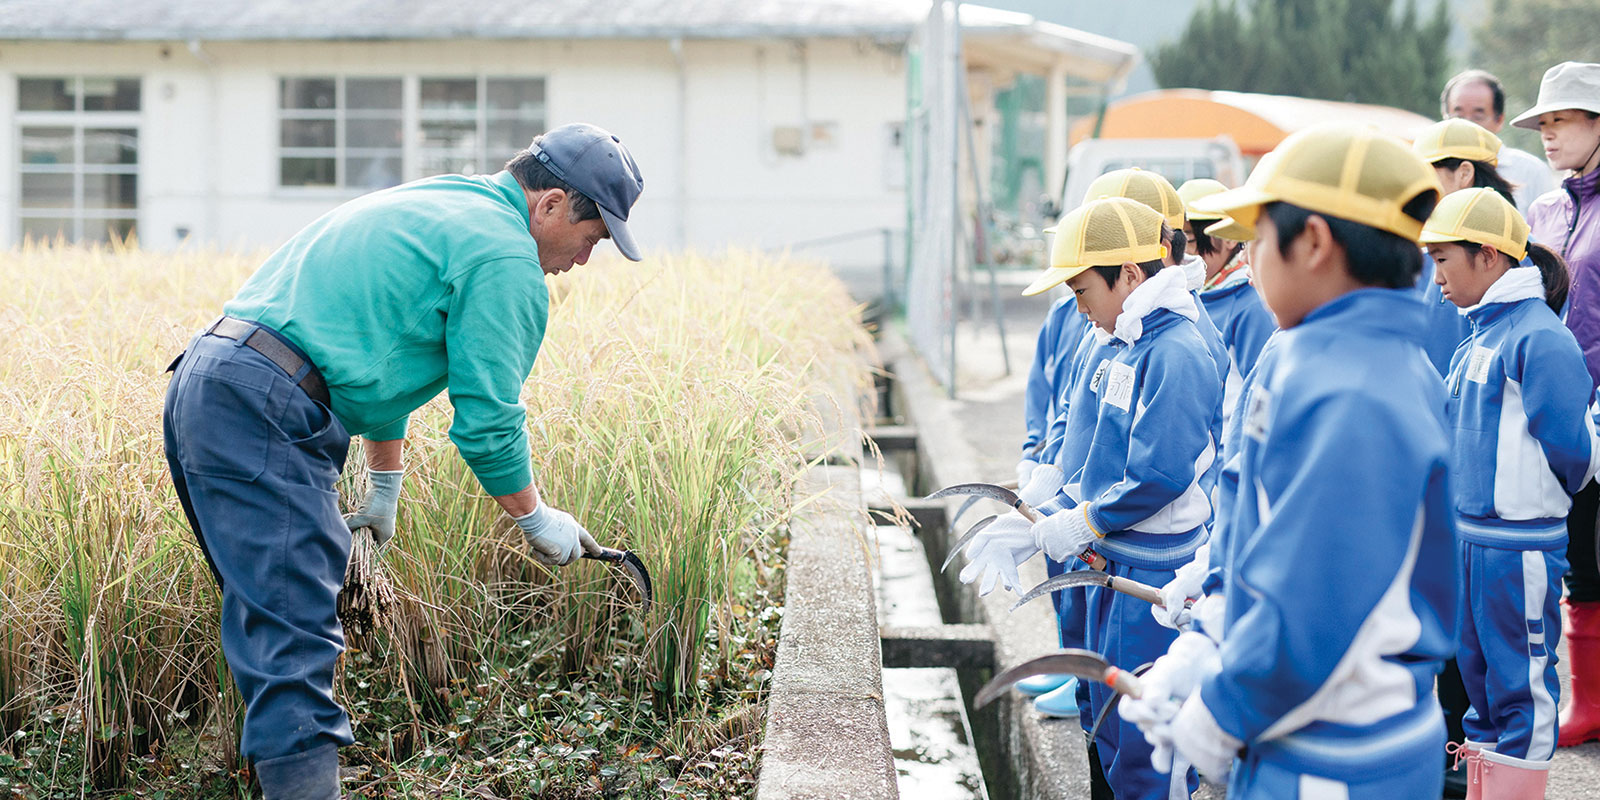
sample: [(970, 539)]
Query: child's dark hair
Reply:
[(1175, 240), (1205, 244), (1552, 271), (1484, 176), (1149, 268), (1374, 257)]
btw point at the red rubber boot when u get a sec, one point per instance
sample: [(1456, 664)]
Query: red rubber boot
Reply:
[(1580, 719)]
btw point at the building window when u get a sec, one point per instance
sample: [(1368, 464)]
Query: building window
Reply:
[(340, 132), (353, 132), (78, 157)]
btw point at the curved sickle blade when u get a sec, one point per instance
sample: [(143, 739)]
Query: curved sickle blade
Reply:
[(988, 490), (1085, 664), (966, 504), (1066, 580), (635, 569), (966, 538)]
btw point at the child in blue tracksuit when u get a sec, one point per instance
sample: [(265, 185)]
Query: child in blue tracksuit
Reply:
[(1341, 594), (1524, 443)]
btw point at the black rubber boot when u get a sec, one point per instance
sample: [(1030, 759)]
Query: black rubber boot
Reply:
[(311, 775), (1099, 789), (1453, 701)]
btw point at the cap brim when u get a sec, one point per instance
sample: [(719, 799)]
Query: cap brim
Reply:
[(1529, 120), (1229, 229), (620, 235), (1436, 237), (1052, 277)]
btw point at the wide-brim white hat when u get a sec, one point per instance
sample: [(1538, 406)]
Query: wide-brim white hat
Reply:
[(1568, 85)]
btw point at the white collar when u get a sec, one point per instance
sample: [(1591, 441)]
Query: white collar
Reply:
[(1194, 269), (1167, 289), (1516, 285)]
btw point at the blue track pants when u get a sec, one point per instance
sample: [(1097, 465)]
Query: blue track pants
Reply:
[(1121, 628), (1510, 627)]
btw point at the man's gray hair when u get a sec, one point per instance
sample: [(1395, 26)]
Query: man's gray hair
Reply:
[(1474, 76)]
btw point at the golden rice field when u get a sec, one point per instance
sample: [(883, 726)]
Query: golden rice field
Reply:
[(670, 410)]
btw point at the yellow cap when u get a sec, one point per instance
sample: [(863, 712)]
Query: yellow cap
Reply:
[(1144, 186), (1196, 188), (1458, 138), (1101, 233), (1346, 171), (1480, 216)]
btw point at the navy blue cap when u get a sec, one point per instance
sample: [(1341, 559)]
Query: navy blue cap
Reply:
[(596, 164)]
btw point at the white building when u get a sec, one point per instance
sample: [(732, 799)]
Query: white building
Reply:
[(231, 122)]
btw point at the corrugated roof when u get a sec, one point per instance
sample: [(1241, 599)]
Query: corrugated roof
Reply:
[(1017, 40), (77, 20)]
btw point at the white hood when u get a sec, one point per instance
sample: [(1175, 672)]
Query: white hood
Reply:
[(1518, 284), (1168, 289)]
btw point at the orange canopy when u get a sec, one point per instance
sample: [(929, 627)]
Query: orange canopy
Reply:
[(1255, 122)]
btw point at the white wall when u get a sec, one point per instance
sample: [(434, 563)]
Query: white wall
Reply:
[(699, 119)]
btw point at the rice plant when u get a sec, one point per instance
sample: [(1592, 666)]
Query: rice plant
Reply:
[(671, 408)]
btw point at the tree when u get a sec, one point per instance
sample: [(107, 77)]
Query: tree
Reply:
[(1520, 39), (1355, 50)]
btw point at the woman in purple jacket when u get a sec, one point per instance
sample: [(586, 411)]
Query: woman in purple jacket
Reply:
[(1567, 219)]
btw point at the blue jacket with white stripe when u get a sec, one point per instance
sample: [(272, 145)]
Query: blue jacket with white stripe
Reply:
[(1343, 586), (1158, 395), (1446, 328), (1053, 356), (1519, 404), (1244, 324)]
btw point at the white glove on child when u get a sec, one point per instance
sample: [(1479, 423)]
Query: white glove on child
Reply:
[(1184, 586), (1065, 534), (1046, 481), (1025, 469), (1167, 684), (1197, 737), (554, 537), (997, 552)]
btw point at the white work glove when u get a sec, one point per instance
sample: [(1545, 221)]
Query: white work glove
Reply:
[(1043, 485), (1064, 534), (1025, 469), (554, 536), (1167, 684), (378, 508), (997, 552), (1207, 615), (1203, 743), (1184, 586)]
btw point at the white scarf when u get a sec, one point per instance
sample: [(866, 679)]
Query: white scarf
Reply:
[(1168, 289), (1516, 285)]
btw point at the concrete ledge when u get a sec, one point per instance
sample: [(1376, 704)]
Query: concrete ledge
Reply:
[(826, 735), (891, 438), (956, 646)]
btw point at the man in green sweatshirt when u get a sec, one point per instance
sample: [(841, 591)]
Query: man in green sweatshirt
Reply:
[(355, 322)]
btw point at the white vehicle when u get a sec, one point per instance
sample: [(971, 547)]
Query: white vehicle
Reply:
[(1177, 160)]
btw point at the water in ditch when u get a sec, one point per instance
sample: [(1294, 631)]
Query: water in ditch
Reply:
[(928, 729)]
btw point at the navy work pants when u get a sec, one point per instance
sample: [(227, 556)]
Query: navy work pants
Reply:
[(254, 460)]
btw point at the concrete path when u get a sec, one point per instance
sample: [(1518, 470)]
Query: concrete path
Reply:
[(988, 405)]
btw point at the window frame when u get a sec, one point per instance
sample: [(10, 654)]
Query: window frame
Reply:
[(412, 152), (79, 121)]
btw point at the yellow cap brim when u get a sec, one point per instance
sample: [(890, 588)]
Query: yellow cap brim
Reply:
[(1502, 244), (1051, 278), (1239, 209), (1230, 229)]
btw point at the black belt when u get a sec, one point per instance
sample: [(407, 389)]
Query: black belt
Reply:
[(266, 343)]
